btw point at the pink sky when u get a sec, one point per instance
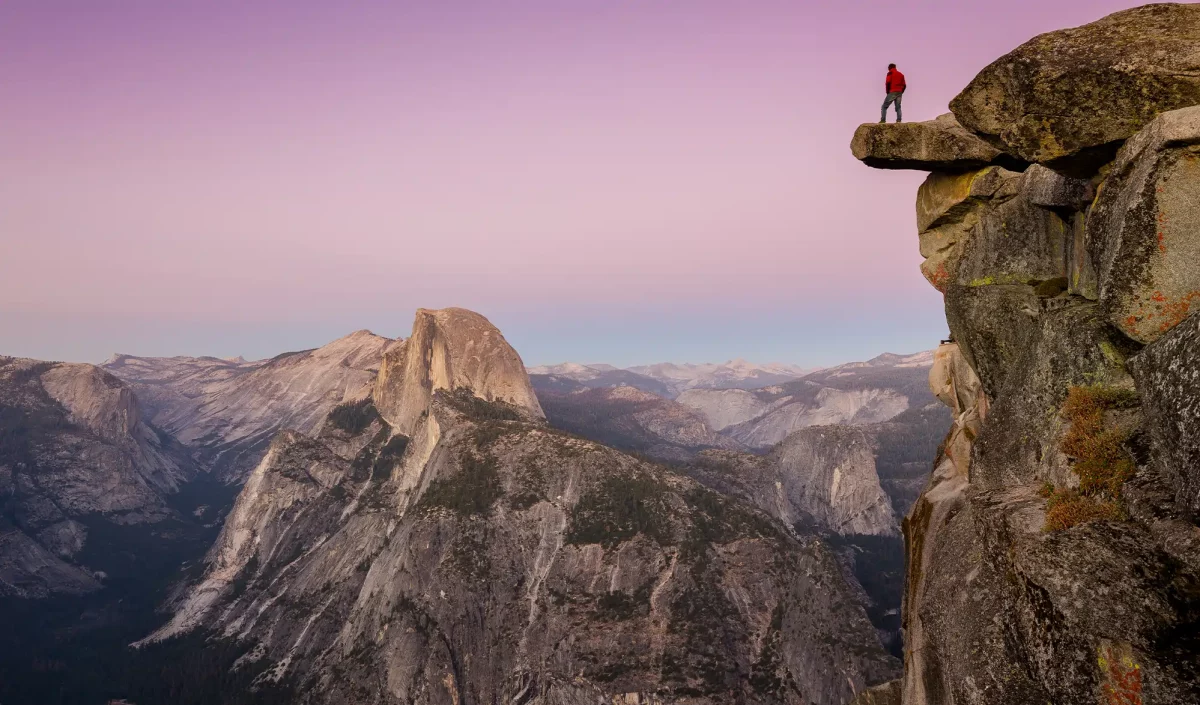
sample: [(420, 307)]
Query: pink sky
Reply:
[(626, 181)]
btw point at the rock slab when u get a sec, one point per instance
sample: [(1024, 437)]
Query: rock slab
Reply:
[(1066, 99)]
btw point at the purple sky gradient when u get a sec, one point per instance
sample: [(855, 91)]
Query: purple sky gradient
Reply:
[(617, 181)]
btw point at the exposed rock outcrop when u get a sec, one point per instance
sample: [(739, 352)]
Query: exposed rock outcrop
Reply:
[(1144, 231), (1067, 99), (823, 476), (484, 557), (73, 447), (450, 349), (728, 407), (1169, 371), (1054, 555), (934, 145), (228, 411)]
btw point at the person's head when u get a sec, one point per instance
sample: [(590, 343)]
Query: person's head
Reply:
[(891, 67)]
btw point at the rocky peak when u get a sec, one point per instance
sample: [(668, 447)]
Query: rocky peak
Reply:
[(361, 349), (227, 411), (95, 399), (477, 555), (1065, 495), (75, 457), (450, 349)]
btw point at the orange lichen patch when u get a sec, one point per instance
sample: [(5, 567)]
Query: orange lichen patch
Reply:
[(1121, 676), (1159, 313), (936, 275), (1175, 311)]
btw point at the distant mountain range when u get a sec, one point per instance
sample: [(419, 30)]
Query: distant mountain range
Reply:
[(382, 482), (736, 412), (671, 379), (228, 410)]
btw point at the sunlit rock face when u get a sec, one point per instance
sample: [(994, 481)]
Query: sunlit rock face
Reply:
[(451, 349), (227, 411), (1054, 555), (444, 545)]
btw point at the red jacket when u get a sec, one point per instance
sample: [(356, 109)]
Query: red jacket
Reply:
[(894, 83)]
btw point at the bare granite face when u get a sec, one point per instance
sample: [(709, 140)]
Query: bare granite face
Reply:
[(821, 477), (480, 556), (73, 447), (1144, 230), (1067, 99), (1054, 554), (227, 411), (450, 349), (934, 145)]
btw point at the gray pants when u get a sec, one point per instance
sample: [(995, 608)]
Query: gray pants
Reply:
[(892, 98)]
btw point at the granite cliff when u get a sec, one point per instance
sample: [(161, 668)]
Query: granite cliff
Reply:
[(438, 543), (75, 457), (227, 411), (1054, 554)]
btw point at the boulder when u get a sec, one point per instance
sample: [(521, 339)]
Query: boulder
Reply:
[(1143, 232), (995, 226), (948, 209), (934, 145), (1066, 99), (1015, 242), (1049, 189), (946, 198), (1167, 373)]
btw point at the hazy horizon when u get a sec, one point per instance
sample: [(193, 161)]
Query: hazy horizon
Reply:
[(624, 183)]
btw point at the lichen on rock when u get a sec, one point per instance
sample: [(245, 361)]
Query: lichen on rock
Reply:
[(1054, 553), (1067, 99)]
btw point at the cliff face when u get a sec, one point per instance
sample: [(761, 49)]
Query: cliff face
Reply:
[(1054, 555), (227, 411), (450, 349), (74, 453), (451, 548), (822, 477)]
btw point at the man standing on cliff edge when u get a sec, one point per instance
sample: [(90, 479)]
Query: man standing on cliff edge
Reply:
[(894, 84)]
